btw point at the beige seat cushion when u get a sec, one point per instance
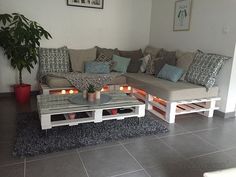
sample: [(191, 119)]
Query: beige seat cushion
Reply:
[(55, 82), (168, 90), (79, 57)]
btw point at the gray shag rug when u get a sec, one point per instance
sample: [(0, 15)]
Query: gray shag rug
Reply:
[(32, 141)]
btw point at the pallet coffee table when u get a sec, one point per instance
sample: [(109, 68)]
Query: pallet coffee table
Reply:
[(50, 106)]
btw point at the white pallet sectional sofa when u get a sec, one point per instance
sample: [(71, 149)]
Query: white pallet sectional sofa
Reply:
[(163, 98)]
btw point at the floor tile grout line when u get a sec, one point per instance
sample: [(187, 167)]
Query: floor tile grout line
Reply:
[(98, 148), (210, 153), (178, 134), (162, 141), (11, 164), (213, 145), (25, 167), (125, 173), (82, 163), (203, 130), (50, 157), (135, 160)]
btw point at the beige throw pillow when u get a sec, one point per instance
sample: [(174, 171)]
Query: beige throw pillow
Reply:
[(79, 56), (184, 60)]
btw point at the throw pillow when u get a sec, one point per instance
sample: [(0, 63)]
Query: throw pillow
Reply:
[(184, 60), (152, 63), (107, 52), (204, 68), (171, 73), (170, 57), (152, 51), (121, 63), (135, 63), (79, 57), (97, 67), (144, 64), (53, 60), (158, 65), (104, 59)]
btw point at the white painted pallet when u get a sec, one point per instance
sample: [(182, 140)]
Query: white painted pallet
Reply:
[(49, 105), (168, 110)]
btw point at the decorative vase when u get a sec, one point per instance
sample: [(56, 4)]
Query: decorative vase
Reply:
[(22, 93), (71, 116), (114, 111), (85, 94), (91, 97), (98, 95)]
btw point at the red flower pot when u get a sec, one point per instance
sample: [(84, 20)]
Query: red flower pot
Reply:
[(22, 93)]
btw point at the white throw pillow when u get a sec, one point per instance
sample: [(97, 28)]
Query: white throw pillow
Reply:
[(145, 61)]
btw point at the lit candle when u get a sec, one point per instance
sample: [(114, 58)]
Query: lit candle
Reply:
[(63, 92)]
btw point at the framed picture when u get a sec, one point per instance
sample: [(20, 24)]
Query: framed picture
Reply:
[(98, 4), (182, 15)]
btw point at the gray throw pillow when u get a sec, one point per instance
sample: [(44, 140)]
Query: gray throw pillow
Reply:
[(169, 57), (53, 60), (158, 65), (204, 68), (135, 57), (79, 57)]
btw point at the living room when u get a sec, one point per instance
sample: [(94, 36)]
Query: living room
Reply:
[(193, 145)]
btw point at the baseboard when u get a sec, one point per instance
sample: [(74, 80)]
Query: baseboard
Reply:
[(8, 94), (224, 115)]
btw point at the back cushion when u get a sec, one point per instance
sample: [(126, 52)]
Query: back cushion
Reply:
[(135, 57), (79, 57), (184, 60), (152, 51), (53, 60)]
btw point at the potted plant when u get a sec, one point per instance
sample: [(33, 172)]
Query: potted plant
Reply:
[(91, 93), (19, 38)]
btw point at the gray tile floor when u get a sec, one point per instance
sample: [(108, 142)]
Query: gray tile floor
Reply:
[(195, 144)]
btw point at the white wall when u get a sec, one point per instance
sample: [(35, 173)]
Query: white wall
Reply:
[(213, 29), (122, 23)]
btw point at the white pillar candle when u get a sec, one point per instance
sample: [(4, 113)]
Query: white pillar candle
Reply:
[(98, 95)]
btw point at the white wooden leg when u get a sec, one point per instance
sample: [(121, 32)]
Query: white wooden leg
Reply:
[(211, 105), (97, 114), (170, 112), (140, 110), (45, 121), (148, 98)]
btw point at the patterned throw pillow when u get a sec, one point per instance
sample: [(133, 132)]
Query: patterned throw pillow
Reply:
[(151, 65), (108, 52), (53, 60), (204, 68)]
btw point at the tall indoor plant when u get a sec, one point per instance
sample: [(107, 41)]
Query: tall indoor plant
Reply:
[(19, 38)]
